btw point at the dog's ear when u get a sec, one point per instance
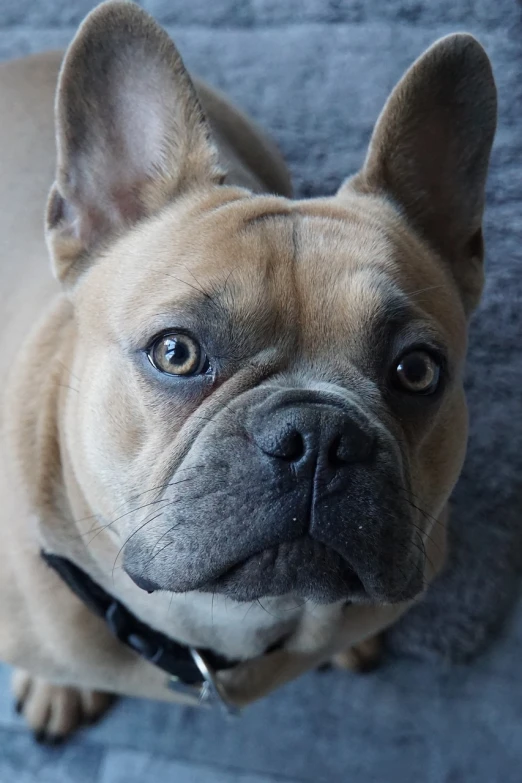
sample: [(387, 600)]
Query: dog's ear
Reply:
[(430, 152), (130, 132)]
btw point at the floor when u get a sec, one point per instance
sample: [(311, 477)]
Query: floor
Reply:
[(409, 721)]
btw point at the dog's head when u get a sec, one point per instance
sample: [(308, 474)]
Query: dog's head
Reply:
[(270, 392)]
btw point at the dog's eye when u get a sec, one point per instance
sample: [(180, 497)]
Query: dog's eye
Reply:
[(176, 353), (418, 372)]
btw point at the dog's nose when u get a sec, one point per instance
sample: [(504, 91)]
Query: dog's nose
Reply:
[(312, 433)]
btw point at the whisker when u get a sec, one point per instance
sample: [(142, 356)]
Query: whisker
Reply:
[(66, 386), (252, 603), (101, 528), (424, 513), (68, 369), (148, 521), (428, 288), (134, 510), (137, 495), (169, 543), (258, 601), (196, 288)]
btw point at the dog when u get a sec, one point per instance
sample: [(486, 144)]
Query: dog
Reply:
[(232, 420)]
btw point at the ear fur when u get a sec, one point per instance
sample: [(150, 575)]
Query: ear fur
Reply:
[(130, 133), (430, 152)]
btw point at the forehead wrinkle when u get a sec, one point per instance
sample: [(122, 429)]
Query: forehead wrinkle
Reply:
[(368, 304), (244, 276), (252, 220), (342, 272), (245, 208), (373, 292), (385, 309), (351, 309)]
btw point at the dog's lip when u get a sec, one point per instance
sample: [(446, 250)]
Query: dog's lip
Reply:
[(229, 572)]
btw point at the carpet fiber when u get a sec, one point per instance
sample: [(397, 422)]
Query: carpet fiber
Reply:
[(316, 73)]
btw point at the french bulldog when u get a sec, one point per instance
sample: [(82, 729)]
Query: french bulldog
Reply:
[(238, 416)]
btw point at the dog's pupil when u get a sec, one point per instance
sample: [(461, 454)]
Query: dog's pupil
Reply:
[(177, 352), (415, 368)]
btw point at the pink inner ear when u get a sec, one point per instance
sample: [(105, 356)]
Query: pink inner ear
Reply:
[(56, 209), (97, 221), (128, 203), (143, 116), (130, 129), (130, 149), (107, 198)]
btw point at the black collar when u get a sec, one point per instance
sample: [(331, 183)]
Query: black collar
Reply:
[(174, 658)]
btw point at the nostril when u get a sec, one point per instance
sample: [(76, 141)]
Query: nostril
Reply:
[(318, 434), (293, 447), (348, 447), (283, 440), (335, 455)]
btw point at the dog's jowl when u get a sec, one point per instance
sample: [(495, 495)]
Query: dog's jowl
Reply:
[(232, 420)]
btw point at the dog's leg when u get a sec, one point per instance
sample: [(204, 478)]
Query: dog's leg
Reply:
[(54, 712), (363, 657)]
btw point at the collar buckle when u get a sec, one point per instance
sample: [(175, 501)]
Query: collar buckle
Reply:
[(210, 692)]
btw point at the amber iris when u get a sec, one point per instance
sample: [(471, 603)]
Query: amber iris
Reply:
[(418, 372), (176, 354)]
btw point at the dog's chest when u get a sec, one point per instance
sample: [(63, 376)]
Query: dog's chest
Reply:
[(236, 630)]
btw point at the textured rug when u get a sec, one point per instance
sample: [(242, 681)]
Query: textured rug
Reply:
[(315, 73)]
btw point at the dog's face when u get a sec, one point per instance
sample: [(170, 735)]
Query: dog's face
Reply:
[(270, 392)]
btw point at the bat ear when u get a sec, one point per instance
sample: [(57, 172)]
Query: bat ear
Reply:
[(430, 150), (130, 131)]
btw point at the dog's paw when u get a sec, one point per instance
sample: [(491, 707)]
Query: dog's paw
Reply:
[(54, 712), (363, 658)]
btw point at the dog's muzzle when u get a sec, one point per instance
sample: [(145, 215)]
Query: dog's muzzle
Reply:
[(295, 492)]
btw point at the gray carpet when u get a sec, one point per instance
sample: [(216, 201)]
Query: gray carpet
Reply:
[(315, 73)]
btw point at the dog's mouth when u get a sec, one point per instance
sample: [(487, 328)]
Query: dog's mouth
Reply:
[(304, 567)]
